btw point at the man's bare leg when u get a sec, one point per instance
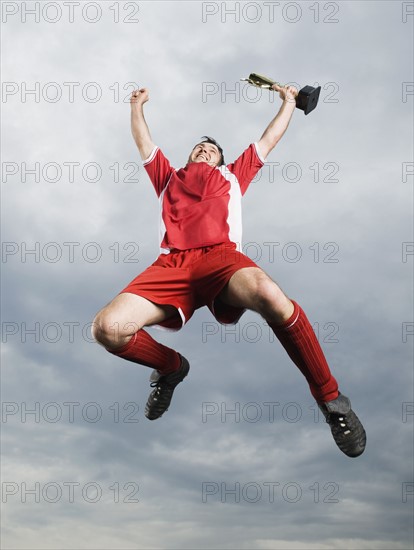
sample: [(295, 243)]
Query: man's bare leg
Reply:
[(117, 322), (252, 289)]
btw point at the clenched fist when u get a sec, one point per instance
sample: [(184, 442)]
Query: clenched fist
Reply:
[(287, 93), (140, 96)]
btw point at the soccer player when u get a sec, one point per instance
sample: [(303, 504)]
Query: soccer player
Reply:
[(200, 265)]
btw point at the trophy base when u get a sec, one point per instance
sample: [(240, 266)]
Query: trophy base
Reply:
[(307, 99)]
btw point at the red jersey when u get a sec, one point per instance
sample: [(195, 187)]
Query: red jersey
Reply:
[(200, 205)]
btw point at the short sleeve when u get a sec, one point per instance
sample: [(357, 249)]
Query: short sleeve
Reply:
[(159, 169), (247, 165)]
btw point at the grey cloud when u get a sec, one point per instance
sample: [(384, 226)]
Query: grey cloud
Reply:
[(366, 295)]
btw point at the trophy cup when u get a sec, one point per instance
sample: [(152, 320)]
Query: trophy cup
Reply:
[(306, 100)]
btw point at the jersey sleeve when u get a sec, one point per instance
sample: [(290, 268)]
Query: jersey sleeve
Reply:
[(247, 165), (159, 169)]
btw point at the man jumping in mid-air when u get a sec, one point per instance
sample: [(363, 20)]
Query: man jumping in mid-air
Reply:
[(200, 265)]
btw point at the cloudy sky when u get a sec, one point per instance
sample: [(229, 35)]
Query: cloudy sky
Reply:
[(241, 459)]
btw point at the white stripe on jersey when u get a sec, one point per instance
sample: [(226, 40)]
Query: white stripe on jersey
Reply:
[(151, 157), (258, 153), (161, 224), (234, 218)]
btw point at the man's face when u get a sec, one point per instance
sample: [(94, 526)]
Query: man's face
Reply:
[(205, 152)]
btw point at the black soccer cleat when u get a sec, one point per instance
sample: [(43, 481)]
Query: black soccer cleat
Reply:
[(347, 430), (164, 386)]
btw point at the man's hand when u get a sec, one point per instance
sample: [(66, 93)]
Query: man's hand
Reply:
[(287, 93), (140, 96)]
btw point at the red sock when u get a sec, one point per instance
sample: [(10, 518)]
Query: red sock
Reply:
[(143, 349), (299, 340)]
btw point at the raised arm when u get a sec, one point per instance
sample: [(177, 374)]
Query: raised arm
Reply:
[(139, 126), (279, 124)]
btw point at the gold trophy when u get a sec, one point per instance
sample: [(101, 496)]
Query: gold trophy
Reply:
[(306, 100)]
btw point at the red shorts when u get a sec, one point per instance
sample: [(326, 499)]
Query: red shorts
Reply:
[(190, 279)]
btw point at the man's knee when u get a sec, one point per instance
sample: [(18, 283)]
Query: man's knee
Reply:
[(272, 302), (109, 331), (104, 328)]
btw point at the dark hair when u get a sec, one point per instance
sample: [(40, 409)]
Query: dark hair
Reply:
[(207, 139)]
